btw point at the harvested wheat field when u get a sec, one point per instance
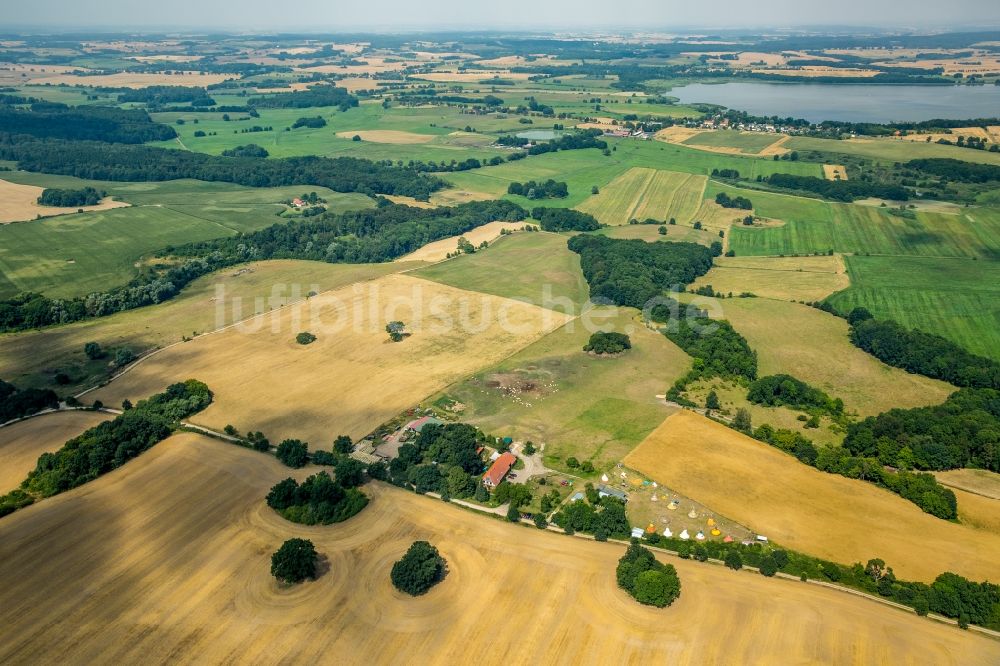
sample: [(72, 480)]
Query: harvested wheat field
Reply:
[(677, 134), (814, 346), (977, 481), (834, 172), (21, 443), (797, 506), (159, 566), (439, 250), (20, 202), (783, 278), (352, 378), (139, 79), (641, 193), (388, 136)]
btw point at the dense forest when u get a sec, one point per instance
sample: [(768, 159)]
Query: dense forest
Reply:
[(778, 390), (157, 96), (964, 431), (15, 403), (838, 190), (109, 445), (49, 120), (922, 353), (71, 198), (118, 162), (315, 96), (385, 233), (717, 348), (634, 272), (319, 500), (549, 189), (952, 169), (565, 219)]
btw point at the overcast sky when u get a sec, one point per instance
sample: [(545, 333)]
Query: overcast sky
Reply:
[(331, 15)]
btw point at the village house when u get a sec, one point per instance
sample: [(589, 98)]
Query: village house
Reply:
[(498, 470)]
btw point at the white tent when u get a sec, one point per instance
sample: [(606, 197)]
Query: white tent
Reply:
[(700, 536), (604, 478), (667, 532), (684, 535), (637, 532)]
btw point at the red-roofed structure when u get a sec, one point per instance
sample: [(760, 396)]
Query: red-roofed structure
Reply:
[(498, 470)]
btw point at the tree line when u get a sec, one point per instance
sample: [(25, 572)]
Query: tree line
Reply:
[(921, 353), (109, 445), (959, 170), (634, 272), (324, 95), (838, 190), (950, 594), (50, 120), (119, 162), (382, 234), (564, 219), (549, 189), (71, 198)]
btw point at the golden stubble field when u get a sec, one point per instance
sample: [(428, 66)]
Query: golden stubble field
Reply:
[(167, 560), (797, 506), (21, 443), (20, 202), (782, 278), (352, 378), (439, 250)]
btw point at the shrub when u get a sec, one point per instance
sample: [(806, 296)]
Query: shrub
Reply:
[(608, 343), (305, 337)]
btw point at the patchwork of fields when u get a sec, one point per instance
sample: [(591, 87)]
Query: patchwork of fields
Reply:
[(795, 505), (148, 572)]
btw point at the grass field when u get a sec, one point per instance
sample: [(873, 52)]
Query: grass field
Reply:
[(32, 358), (783, 278), (750, 143), (21, 443), (20, 202), (642, 193), (825, 515), (977, 481), (955, 298), (890, 150), (532, 267), (813, 346), (78, 254), (352, 378), (816, 226), (439, 250), (162, 567), (552, 393)]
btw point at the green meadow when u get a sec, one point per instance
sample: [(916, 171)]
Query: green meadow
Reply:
[(79, 253), (958, 298)]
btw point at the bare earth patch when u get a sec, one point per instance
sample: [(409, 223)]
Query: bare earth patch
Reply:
[(834, 172), (19, 203), (826, 515), (154, 563)]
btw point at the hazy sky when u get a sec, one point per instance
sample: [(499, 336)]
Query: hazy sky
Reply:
[(317, 15)]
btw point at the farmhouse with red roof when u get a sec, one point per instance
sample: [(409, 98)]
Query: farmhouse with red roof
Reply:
[(498, 470)]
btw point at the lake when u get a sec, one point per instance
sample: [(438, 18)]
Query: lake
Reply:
[(874, 103)]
